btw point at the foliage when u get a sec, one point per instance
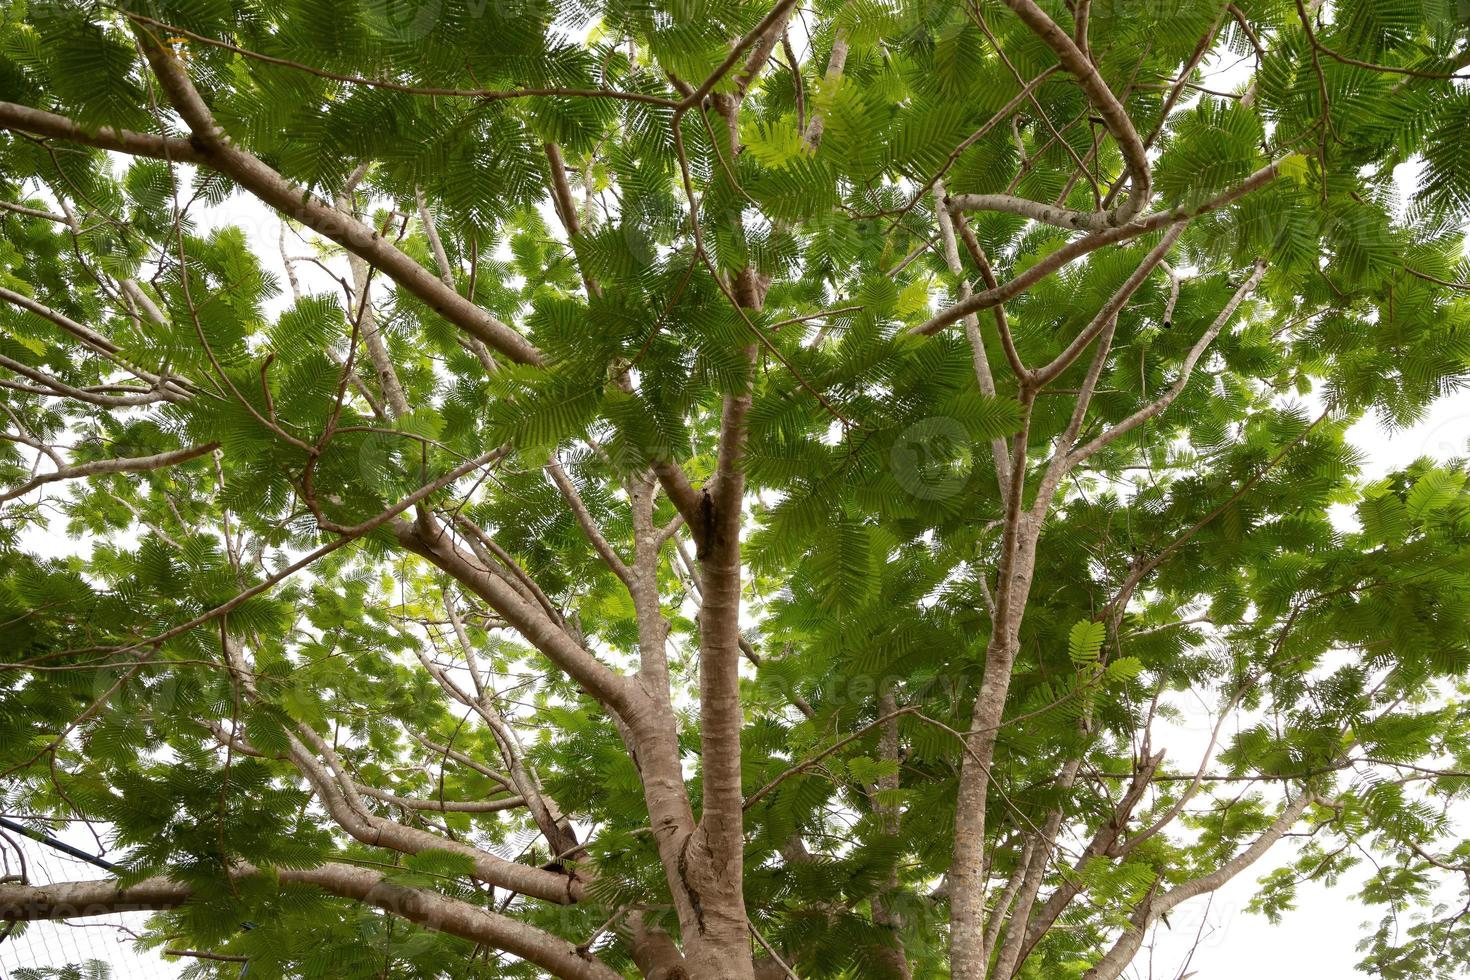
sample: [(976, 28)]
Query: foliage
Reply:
[(750, 288)]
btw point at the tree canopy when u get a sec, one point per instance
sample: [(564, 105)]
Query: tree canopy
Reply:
[(704, 489)]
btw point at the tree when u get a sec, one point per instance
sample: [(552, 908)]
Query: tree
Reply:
[(728, 490)]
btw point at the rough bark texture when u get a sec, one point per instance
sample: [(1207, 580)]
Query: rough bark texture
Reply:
[(76, 899)]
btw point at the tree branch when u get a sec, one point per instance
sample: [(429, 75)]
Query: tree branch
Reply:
[(443, 806), (1115, 117), (101, 467), (1121, 954), (80, 899), (1091, 243), (41, 123), (218, 151), (584, 520), (1159, 404), (427, 539)]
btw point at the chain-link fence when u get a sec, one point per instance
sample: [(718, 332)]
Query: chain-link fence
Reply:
[(106, 939)]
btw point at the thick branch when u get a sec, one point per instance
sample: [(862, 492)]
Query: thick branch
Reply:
[(1158, 405), (719, 629), (429, 540), (219, 152), (1036, 211), (770, 24), (1104, 842), (1109, 313), (33, 212), (688, 501), (1115, 117), (56, 388), (42, 123), (1091, 243), (1111, 966), (1001, 909), (79, 899), (339, 795), (836, 61), (1007, 958), (443, 806), (100, 467)]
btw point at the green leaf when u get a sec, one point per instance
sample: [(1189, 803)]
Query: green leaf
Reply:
[(1122, 670), (1434, 491), (1085, 640)]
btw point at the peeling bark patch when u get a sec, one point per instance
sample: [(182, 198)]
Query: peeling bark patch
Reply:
[(707, 526), (689, 889)]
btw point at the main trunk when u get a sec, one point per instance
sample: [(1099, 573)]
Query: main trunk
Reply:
[(966, 873), (706, 889)]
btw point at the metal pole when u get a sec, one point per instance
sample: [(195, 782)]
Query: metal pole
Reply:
[(52, 842)]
